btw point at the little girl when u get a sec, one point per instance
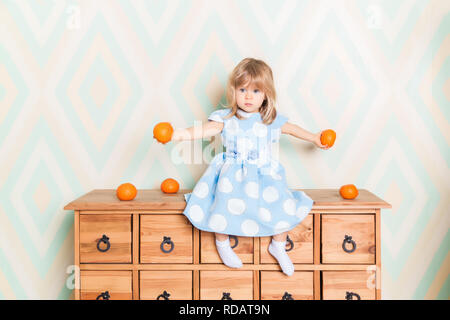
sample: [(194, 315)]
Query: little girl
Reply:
[(244, 191)]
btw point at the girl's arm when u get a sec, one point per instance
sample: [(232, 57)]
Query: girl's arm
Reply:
[(206, 130), (298, 132)]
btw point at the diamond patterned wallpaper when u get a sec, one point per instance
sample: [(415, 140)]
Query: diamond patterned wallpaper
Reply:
[(82, 83)]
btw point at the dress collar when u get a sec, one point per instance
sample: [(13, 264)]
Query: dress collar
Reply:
[(246, 114)]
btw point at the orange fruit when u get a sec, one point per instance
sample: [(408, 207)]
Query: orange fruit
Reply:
[(170, 186), (163, 132), (348, 191), (126, 191), (328, 137)]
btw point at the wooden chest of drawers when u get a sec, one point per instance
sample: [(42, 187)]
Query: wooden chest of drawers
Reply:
[(147, 249)]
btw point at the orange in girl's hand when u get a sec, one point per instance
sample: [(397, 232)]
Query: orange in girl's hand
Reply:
[(328, 137), (170, 186), (163, 132), (126, 191), (348, 191)]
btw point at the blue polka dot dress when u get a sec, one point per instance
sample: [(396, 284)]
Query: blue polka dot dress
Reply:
[(244, 191)]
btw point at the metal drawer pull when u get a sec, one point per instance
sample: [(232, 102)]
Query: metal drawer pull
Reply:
[(104, 296), (226, 296), (236, 242), (350, 295), (348, 239), (167, 240), (291, 243), (165, 295), (105, 240), (287, 296)]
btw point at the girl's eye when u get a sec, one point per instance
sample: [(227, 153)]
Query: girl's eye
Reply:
[(256, 91), (242, 89)]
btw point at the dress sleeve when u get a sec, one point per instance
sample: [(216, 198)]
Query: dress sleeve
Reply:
[(276, 125), (217, 115), (279, 121)]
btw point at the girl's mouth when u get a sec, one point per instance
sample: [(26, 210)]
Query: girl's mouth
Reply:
[(248, 104)]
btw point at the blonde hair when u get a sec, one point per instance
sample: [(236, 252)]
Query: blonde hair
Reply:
[(254, 71)]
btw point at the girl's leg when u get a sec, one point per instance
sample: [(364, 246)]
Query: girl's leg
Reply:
[(280, 237), (229, 258), (277, 248), (221, 236)]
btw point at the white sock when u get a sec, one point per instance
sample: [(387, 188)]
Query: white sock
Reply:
[(278, 250), (229, 258)]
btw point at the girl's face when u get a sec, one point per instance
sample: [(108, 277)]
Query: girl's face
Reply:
[(249, 98)]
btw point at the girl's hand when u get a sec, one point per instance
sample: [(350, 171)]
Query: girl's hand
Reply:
[(181, 134), (176, 135), (318, 143)]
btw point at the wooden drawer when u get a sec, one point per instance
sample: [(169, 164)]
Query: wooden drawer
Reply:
[(214, 285), (302, 244), (107, 285), (172, 285), (105, 238), (361, 229), (166, 239), (209, 254), (341, 285), (276, 285)]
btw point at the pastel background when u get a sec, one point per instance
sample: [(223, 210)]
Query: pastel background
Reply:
[(82, 83)]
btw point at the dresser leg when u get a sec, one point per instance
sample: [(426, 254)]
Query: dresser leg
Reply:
[(195, 285), (378, 253), (136, 285), (316, 285), (76, 231)]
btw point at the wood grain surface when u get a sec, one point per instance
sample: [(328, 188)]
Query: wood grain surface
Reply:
[(155, 199)]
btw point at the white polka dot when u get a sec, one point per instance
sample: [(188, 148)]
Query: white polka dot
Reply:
[(232, 126), (260, 130), (225, 185), (274, 164), (281, 227), (275, 175), (244, 145), (263, 158), (240, 174), (201, 190), (251, 189), (196, 213), (249, 227), (289, 206), (264, 214), (217, 222), (270, 194), (302, 211), (236, 206)]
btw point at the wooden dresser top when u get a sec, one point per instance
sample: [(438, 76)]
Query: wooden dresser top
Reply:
[(151, 199)]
